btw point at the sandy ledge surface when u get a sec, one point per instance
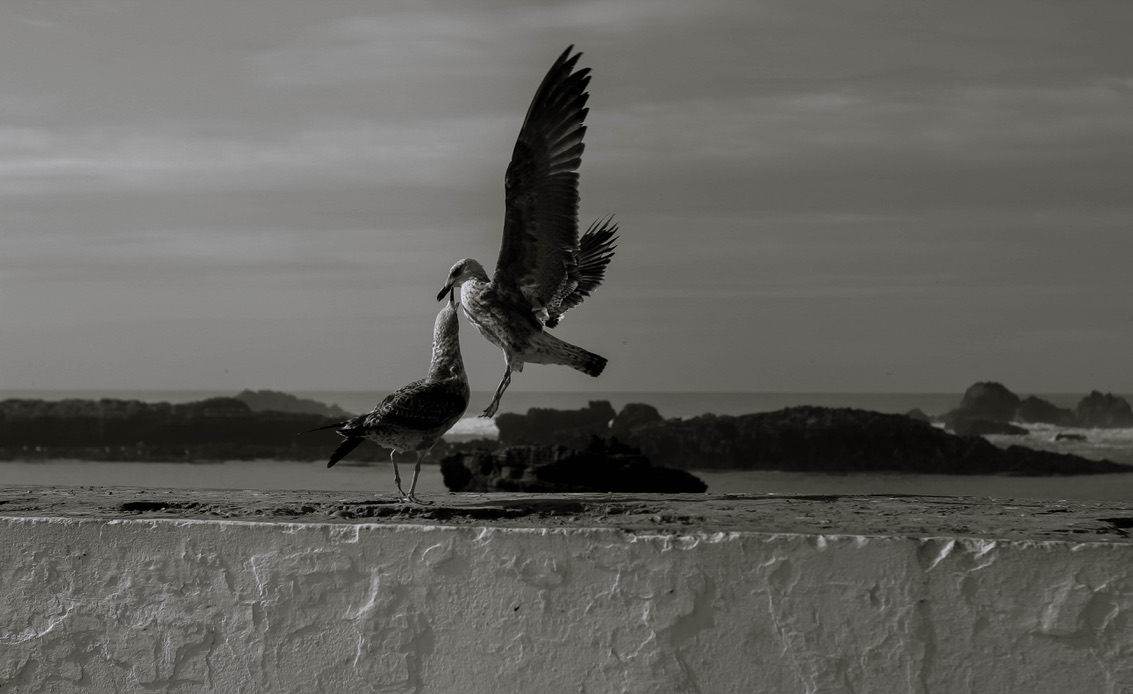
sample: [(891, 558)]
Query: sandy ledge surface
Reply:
[(874, 515)]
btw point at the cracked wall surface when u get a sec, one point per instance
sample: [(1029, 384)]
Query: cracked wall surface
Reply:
[(168, 605)]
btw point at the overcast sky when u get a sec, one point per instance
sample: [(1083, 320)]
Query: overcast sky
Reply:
[(819, 196)]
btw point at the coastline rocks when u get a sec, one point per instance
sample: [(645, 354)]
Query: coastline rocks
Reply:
[(984, 406), (633, 415), (220, 428), (918, 414), (541, 426), (808, 439), (841, 440), (989, 400), (1035, 410), (275, 401), (1063, 436), (602, 467), (1106, 411)]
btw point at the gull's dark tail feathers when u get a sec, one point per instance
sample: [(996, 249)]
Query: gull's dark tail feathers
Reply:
[(336, 425), (348, 444), (551, 350)]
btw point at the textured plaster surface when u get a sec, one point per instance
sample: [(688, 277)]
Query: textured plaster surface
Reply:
[(122, 590)]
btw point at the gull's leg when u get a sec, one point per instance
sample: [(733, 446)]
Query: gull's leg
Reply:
[(396, 474), (413, 486), (495, 404)]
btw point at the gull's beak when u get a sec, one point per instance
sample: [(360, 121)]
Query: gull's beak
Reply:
[(447, 290), (452, 298)]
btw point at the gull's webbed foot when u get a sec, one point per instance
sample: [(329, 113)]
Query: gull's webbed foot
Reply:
[(412, 498)]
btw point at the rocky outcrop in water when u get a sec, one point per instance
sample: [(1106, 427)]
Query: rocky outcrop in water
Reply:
[(1035, 410), (213, 429), (988, 401), (918, 415), (548, 427), (633, 415), (1062, 436), (811, 439), (109, 429), (1103, 411), (550, 450), (841, 440), (601, 467), (275, 401)]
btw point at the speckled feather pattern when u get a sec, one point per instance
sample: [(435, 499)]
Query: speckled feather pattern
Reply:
[(415, 416)]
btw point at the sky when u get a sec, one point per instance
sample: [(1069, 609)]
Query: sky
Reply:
[(833, 196)]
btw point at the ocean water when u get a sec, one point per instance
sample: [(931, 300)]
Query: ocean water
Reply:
[(1111, 444)]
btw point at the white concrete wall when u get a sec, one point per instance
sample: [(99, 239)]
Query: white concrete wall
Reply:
[(192, 606)]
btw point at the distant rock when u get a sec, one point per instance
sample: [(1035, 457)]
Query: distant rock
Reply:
[(571, 428), (1064, 436), (214, 407), (918, 415), (842, 440), (212, 429), (993, 402), (274, 401), (1106, 411), (633, 415), (988, 400), (602, 467), (982, 427), (1034, 410)]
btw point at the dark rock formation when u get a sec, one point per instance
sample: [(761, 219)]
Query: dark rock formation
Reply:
[(993, 402), (918, 415), (274, 401), (842, 440), (571, 428), (982, 427), (213, 429), (1063, 436), (988, 400), (1038, 411), (602, 467), (1106, 411), (634, 415)]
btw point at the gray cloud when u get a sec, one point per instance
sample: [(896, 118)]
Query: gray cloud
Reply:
[(815, 192)]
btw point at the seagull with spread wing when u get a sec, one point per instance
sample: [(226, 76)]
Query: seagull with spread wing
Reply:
[(414, 417), (544, 268)]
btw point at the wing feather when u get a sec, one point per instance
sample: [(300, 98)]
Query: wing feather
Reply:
[(595, 250), (541, 189), (419, 406)]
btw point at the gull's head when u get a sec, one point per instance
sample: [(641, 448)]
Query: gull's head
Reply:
[(462, 271)]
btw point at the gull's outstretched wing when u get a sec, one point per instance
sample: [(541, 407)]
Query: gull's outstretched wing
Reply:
[(541, 190), (595, 249)]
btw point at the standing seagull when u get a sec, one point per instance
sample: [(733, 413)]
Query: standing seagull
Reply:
[(543, 269), (414, 417)]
